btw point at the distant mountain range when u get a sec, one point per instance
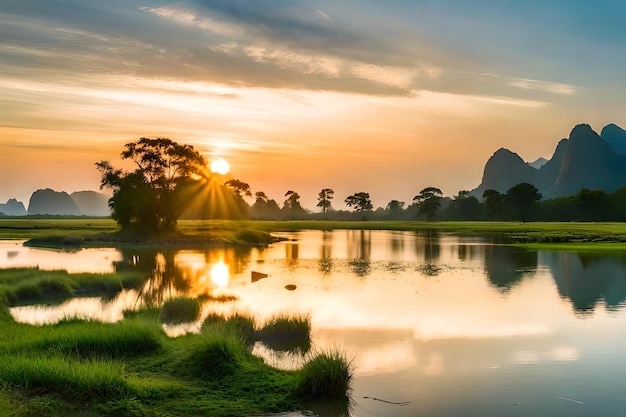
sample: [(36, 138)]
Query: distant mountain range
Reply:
[(50, 202), (584, 160)]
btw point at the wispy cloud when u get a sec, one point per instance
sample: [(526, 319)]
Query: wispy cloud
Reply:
[(322, 14), (190, 18), (546, 86)]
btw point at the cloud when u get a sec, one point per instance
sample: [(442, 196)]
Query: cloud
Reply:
[(546, 86), (322, 14), (393, 76), (189, 18)]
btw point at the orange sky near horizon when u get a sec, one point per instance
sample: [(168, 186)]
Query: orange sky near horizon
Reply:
[(349, 96)]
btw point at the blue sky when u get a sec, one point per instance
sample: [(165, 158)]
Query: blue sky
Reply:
[(351, 95)]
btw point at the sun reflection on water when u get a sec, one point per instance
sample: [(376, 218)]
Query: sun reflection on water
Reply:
[(219, 274)]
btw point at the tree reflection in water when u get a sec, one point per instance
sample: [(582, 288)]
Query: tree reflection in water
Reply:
[(507, 266), (428, 247), (326, 254), (172, 272), (589, 279), (359, 251)]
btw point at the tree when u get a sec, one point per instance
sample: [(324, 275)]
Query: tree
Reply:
[(465, 207), (153, 195), (292, 206), (429, 202), (592, 205), (522, 197), (239, 187), (360, 201), (394, 208), (264, 207), (494, 203), (324, 198)]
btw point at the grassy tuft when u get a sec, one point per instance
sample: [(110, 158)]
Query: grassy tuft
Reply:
[(180, 310), (103, 340), (26, 285), (215, 355), (287, 333), (253, 237), (326, 376)]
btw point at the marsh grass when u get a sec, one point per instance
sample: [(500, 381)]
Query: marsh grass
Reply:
[(79, 367), (180, 310), (253, 237), (326, 376), (80, 380), (88, 340), (27, 285), (216, 354), (287, 333), (240, 324)]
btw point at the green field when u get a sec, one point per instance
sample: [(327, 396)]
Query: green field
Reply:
[(239, 231)]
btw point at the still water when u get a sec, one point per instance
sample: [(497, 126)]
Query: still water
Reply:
[(455, 326)]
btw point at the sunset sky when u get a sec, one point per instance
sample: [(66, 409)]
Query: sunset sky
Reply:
[(386, 97)]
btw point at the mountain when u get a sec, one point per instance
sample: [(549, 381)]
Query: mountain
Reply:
[(615, 136), (91, 203), (538, 163), (13, 208), (584, 160), (52, 202), (503, 170)]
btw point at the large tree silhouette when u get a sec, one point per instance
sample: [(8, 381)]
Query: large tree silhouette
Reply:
[(522, 197), (429, 202), (324, 197), (360, 201), (153, 195)]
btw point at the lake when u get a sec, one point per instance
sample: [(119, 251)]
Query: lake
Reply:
[(442, 325)]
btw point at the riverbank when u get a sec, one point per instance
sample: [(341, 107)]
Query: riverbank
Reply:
[(104, 232)]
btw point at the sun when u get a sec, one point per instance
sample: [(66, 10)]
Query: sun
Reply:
[(220, 166)]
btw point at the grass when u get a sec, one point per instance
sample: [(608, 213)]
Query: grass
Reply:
[(99, 232), (287, 333), (326, 376), (180, 310), (131, 368), (26, 285)]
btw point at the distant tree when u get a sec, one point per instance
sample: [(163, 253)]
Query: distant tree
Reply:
[(592, 205), (323, 199), (239, 187), (291, 206), (394, 208), (522, 197), (360, 201), (429, 202), (494, 203), (153, 195), (465, 207), (264, 207)]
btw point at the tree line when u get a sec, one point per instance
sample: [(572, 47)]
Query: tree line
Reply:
[(170, 181)]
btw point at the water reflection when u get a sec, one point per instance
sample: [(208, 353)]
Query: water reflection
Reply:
[(359, 251), (455, 325), (326, 253), (507, 266), (589, 280)]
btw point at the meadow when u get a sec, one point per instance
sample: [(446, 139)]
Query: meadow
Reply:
[(101, 232)]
